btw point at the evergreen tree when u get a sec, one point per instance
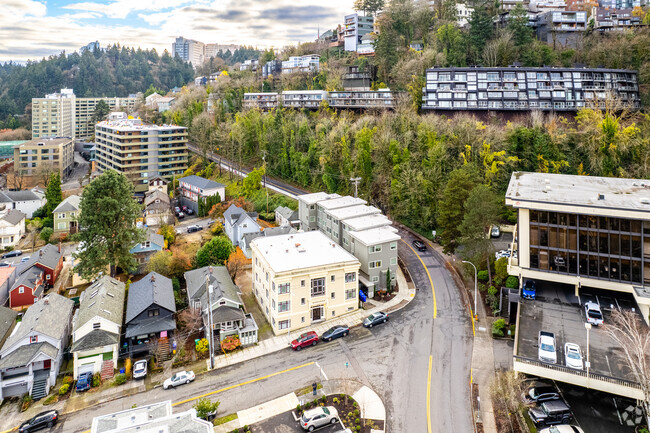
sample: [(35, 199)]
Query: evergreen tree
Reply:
[(101, 111), (518, 24), (480, 31), (451, 208), (53, 194)]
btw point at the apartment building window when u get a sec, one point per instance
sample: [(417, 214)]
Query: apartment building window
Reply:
[(350, 277), (33, 338), (393, 245), (284, 288), (273, 303), (284, 306), (332, 278), (302, 283), (350, 294), (273, 286), (375, 279), (62, 215), (374, 249), (333, 295), (284, 324), (393, 260), (302, 301), (373, 265), (96, 325), (153, 313), (317, 286)]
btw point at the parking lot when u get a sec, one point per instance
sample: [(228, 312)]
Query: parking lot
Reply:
[(557, 310), (285, 423)]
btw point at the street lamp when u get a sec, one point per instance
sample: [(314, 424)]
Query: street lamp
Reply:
[(588, 364), (475, 287)]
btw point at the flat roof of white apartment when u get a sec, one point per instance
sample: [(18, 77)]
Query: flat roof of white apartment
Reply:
[(338, 203), (47, 141), (301, 250), (578, 191), (367, 222), (378, 235), (353, 211), (136, 125), (315, 197)]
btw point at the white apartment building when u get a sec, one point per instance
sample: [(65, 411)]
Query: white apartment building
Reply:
[(249, 65), (306, 63), (303, 278), (356, 26), (189, 50), (311, 99)]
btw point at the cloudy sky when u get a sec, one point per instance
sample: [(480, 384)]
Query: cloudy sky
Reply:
[(32, 29)]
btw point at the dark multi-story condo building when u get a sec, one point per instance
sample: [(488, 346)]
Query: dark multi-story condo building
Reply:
[(520, 89)]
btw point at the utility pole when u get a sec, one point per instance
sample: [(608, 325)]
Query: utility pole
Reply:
[(356, 181), (208, 287)]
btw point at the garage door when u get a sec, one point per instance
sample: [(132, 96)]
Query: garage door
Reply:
[(86, 368), (14, 390)]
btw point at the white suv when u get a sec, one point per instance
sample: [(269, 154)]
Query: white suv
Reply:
[(318, 417), (593, 313)]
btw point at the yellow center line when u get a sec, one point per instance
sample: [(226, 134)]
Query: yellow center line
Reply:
[(433, 291), (242, 384), (429, 395), (12, 429), (471, 314)]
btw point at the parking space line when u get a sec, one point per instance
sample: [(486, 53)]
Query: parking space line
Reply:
[(433, 291), (429, 395)]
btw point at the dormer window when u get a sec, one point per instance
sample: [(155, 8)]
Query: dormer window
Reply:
[(33, 339), (96, 325)]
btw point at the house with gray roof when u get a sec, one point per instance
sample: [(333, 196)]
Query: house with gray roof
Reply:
[(26, 201), (150, 309), (157, 207), (224, 303), (194, 188), (285, 216), (237, 222), (246, 240), (7, 323), (154, 417), (12, 228), (96, 327), (31, 357), (35, 275), (66, 215), (153, 243)]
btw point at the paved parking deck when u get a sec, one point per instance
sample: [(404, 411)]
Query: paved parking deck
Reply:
[(285, 423)]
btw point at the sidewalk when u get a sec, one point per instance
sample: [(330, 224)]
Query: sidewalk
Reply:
[(280, 342), (370, 405)]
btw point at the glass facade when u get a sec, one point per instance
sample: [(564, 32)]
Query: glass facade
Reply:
[(590, 246)]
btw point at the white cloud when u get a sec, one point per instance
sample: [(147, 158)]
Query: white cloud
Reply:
[(17, 9), (122, 8)]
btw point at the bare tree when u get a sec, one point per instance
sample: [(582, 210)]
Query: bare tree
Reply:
[(633, 339), (44, 172), (190, 322), (506, 395)]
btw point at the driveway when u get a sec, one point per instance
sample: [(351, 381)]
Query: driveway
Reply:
[(80, 169)]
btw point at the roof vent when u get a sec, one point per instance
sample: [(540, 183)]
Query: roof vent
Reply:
[(153, 278), (601, 196), (547, 181), (548, 187), (644, 200)]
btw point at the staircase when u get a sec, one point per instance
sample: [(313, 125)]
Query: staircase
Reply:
[(163, 349), (38, 389), (108, 370)]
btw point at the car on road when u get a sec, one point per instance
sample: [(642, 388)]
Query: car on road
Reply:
[(546, 347), (562, 428), (550, 412), (529, 291), (193, 228), (84, 381), (140, 369), (335, 332), (573, 356), (42, 420), (179, 379), (307, 339), (14, 253), (321, 416), (495, 232), (375, 319), (593, 313), (540, 393), (419, 245)]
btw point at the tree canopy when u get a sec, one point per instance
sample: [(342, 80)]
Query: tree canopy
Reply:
[(215, 252), (53, 194)]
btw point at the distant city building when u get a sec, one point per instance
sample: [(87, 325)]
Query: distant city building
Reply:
[(581, 5), (263, 101), (272, 67), (311, 99), (381, 99), (40, 156), (64, 115), (355, 26), (517, 89), (140, 151), (249, 65), (90, 47), (306, 63), (189, 50), (541, 6), (356, 78), (622, 4), (614, 19), (211, 50), (303, 98), (463, 13), (565, 29)]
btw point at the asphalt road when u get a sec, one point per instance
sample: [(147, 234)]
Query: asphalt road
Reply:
[(79, 170)]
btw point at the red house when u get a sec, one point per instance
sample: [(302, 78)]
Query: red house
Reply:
[(35, 276)]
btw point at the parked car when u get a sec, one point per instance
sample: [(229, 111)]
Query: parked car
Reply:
[(187, 210), (140, 369), (375, 319), (177, 210), (573, 356), (335, 332), (178, 379), (14, 253), (562, 428), (84, 381), (318, 417), (24, 259), (495, 232), (501, 254), (419, 245), (540, 393), (180, 215), (529, 290), (193, 228), (593, 313), (546, 349), (4, 264), (559, 262), (42, 420), (550, 412), (307, 339)]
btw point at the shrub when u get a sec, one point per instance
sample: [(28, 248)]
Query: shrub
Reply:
[(358, 428), (127, 367), (335, 400), (68, 380), (512, 282), (298, 408), (498, 328), (483, 276), (230, 343), (323, 399), (356, 411), (64, 389), (357, 421), (97, 380), (235, 430), (202, 347), (176, 284), (492, 291), (46, 233), (246, 428), (204, 407), (120, 379)]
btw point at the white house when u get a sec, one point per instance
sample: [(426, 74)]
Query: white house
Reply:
[(96, 328), (26, 201), (31, 357), (238, 222), (12, 228)]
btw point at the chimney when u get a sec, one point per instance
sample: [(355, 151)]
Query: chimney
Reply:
[(40, 252), (59, 246), (153, 278), (46, 300)]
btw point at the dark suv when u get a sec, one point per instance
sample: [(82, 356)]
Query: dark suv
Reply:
[(42, 420), (419, 245), (550, 412)]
